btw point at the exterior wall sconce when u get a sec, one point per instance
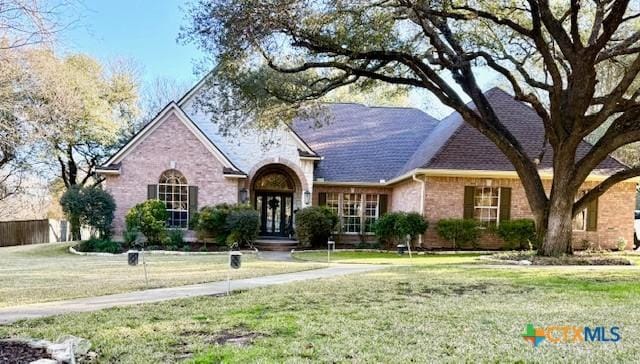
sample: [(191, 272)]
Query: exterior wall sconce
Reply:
[(244, 195), (307, 197)]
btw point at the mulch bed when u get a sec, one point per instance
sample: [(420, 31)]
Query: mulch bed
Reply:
[(15, 352), (578, 259)]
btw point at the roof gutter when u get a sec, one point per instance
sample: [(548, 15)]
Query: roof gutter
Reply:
[(544, 174)]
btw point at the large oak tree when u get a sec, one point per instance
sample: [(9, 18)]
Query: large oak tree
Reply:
[(283, 54)]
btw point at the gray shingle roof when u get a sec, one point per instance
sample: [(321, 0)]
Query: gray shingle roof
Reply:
[(468, 149), (365, 144), (368, 144)]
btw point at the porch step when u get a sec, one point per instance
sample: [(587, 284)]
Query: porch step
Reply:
[(273, 245)]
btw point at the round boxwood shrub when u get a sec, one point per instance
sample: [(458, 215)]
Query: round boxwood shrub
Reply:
[(150, 219), (518, 234), (314, 225), (392, 228), (459, 232)]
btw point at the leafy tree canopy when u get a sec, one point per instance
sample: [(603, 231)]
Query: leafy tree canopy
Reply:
[(277, 57)]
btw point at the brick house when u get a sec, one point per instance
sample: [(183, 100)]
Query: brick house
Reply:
[(363, 162)]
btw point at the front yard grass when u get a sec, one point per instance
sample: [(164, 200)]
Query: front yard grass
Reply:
[(424, 313), (387, 257), (48, 272)]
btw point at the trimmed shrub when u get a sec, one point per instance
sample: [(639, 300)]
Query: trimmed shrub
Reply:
[(175, 239), (392, 228), (314, 225), (517, 234), (211, 222), (99, 246), (243, 225), (228, 224), (459, 232), (150, 219)]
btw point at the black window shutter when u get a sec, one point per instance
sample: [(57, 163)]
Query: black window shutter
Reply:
[(384, 204), (322, 199), (152, 192), (505, 203), (469, 204), (592, 215), (193, 200)]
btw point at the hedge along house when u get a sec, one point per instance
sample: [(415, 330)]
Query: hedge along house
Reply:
[(364, 162)]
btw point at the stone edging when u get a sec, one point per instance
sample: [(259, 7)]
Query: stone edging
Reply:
[(491, 259), (421, 252), (72, 250)]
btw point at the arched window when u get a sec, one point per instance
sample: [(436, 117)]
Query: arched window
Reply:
[(274, 181), (173, 190)]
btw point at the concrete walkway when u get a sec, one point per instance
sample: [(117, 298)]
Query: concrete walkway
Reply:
[(11, 314)]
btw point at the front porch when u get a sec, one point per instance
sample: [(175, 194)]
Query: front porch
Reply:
[(275, 244)]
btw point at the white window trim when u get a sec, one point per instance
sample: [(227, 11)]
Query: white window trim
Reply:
[(342, 216), (585, 216), (497, 208), (363, 200), (169, 210), (364, 212)]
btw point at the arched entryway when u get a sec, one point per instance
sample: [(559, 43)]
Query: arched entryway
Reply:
[(273, 190)]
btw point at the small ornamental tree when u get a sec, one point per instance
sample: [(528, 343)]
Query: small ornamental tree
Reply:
[(98, 210), (72, 206), (90, 206), (150, 219), (392, 228)]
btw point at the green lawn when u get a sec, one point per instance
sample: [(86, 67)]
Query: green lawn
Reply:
[(388, 258), (423, 313), (48, 272)]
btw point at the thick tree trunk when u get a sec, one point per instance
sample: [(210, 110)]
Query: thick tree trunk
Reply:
[(559, 218), (75, 228), (557, 236)]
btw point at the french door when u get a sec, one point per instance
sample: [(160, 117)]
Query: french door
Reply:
[(276, 213)]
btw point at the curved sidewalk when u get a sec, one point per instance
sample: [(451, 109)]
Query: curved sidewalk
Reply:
[(11, 314)]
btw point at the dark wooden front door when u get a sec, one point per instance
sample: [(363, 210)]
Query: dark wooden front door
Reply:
[(275, 210)]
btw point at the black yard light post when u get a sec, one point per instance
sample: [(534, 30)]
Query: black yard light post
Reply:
[(133, 256), (235, 261)]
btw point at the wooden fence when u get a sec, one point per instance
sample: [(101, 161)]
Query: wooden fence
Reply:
[(24, 232)]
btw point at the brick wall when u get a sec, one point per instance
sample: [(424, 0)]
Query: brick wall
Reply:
[(171, 142), (406, 196), (444, 199)]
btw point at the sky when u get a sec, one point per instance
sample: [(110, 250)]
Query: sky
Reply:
[(144, 31)]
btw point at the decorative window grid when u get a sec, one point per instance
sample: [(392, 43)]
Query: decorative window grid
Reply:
[(371, 211), (487, 205), (173, 190), (352, 212)]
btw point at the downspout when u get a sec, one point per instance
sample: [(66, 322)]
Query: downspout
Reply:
[(422, 192)]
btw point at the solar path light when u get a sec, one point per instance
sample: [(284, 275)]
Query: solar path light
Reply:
[(235, 261)]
